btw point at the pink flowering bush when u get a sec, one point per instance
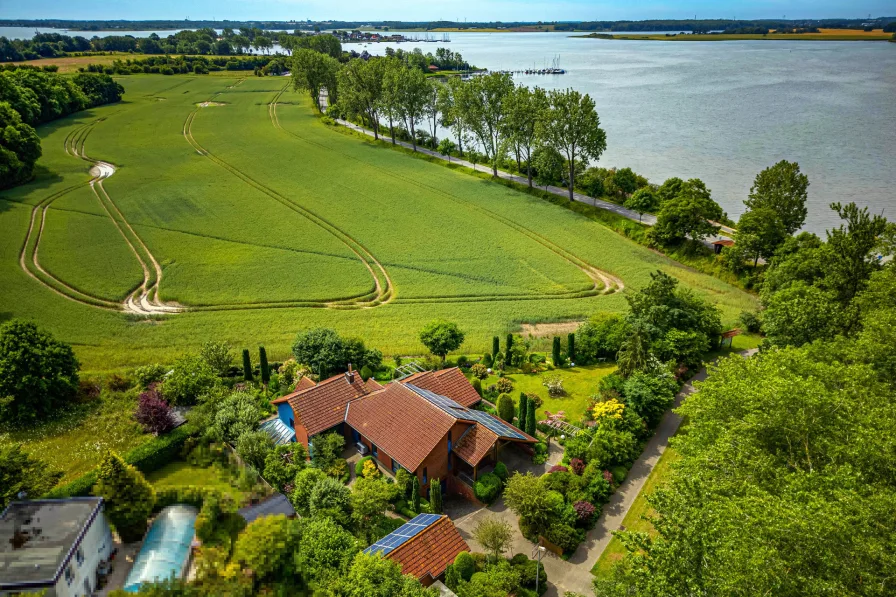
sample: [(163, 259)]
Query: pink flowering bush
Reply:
[(154, 413)]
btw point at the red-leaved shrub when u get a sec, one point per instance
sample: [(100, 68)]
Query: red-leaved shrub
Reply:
[(577, 465), (154, 413), (584, 511), (558, 468)]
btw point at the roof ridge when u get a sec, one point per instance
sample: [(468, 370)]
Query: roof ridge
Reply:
[(431, 404), (426, 529)]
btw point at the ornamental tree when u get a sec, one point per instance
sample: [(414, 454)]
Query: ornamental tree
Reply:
[(441, 337), (494, 535), (153, 413), (129, 497)]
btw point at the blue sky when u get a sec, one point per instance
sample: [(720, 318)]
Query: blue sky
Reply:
[(411, 10)]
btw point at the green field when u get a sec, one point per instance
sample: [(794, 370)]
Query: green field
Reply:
[(259, 221)]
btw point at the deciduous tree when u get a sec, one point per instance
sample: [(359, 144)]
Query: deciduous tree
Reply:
[(783, 189), (441, 337), (494, 535), (484, 104), (129, 498), (687, 215), (21, 473), (525, 108), (572, 127)]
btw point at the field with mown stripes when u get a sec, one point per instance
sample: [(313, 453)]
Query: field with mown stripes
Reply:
[(221, 208)]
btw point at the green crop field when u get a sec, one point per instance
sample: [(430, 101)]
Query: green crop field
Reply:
[(233, 213)]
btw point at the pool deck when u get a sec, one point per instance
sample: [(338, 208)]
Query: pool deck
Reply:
[(124, 561)]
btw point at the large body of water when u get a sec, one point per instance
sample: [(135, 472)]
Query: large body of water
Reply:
[(719, 111)]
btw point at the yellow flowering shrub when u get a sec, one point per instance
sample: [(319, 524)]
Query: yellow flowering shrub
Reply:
[(370, 470), (610, 409)]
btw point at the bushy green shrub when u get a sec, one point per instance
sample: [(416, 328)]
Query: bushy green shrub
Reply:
[(359, 466), (487, 488), (619, 473), (505, 385), (465, 565), (148, 374), (462, 361), (564, 536), (366, 373), (477, 385), (501, 471), (505, 407), (751, 322), (487, 360), (128, 497), (527, 569)]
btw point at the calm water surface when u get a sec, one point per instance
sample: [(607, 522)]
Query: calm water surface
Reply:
[(720, 111), (723, 111)]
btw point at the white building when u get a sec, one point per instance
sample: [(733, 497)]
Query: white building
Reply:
[(53, 545)]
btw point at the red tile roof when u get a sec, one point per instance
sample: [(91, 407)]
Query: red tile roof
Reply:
[(323, 406), (450, 383), (430, 552), (304, 383), (475, 444), (400, 423)]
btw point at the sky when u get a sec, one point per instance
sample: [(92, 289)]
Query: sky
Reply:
[(457, 10)]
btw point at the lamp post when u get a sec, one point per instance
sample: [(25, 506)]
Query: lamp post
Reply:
[(538, 553)]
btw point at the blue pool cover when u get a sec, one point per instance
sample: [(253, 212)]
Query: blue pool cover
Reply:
[(166, 549)]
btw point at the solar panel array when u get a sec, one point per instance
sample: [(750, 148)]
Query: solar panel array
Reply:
[(402, 534), (495, 424), (456, 410)]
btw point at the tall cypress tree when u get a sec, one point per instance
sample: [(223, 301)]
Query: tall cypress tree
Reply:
[(247, 365), (415, 494), (435, 496), (571, 347), (496, 346), (265, 368), (530, 418), (555, 352), (509, 344), (524, 407)]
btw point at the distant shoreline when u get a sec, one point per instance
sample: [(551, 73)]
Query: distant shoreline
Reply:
[(824, 35)]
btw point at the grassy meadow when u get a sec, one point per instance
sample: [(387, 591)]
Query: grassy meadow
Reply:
[(266, 222)]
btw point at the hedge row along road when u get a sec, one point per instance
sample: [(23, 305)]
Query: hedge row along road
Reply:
[(218, 207)]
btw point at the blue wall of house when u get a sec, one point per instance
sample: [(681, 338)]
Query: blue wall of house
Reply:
[(284, 413)]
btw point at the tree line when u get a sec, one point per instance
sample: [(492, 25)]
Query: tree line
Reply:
[(490, 111), (29, 97)]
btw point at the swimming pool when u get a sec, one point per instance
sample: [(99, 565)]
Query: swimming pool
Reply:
[(166, 549)]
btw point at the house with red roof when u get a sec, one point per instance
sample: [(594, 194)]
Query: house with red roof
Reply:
[(423, 547), (424, 423)]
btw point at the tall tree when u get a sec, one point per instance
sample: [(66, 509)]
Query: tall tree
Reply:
[(263, 364), (555, 352), (38, 374), (19, 148), (784, 189), (23, 475), (129, 497), (431, 110), (759, 233), (496, 346), (525, 108), (494, 535), (441, 337), (361, 89), (571, 126), (642, 201), (247, 365), (391, 96), (854, 246), (312, 72), (412, 92), (451, 108), (524, 407), (484, 104), (530, 418), (435, 496), (688, 215)]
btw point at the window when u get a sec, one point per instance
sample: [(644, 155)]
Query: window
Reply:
[(79, 557), (292, 423), (374, 451), (69, 575), (449, 452), (394, 466), (425, 477)]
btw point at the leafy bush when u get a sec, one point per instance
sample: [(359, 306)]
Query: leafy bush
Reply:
[(600, 338), (584, 512), (190, 377), (149, 374), (487, 488), (506, 407), (462, 361), (650, 395), (505, 385), (577, 465), (477, 385), (564, 536), (465, 565), (501, 471), (359, 466), (540, 453), (554, 384), (751, 322), (487, 360), (558, 468), (153, 413), (619, 473), (254, 447), (129, 499), (527, 569), (371, 470), (366, 373), (479, 371)]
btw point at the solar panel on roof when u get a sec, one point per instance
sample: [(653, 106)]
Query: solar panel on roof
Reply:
[(402, 534), (495, 425)]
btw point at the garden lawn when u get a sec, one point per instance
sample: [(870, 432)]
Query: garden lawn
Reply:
[(580, 383), (634, 520), (182, 474), (77, 439)]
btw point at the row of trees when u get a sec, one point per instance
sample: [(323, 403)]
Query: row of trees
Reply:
[(29, 97), (198, 42), (501, 118)]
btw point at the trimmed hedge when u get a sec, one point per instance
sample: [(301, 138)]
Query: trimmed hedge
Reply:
[(190, 494), (487, 488), (148, 457)]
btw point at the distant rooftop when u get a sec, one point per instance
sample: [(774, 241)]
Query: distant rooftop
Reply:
[(37, 539)]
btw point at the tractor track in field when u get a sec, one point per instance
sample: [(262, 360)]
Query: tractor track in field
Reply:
[(603, 282), (383, 291), (144, 299)]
